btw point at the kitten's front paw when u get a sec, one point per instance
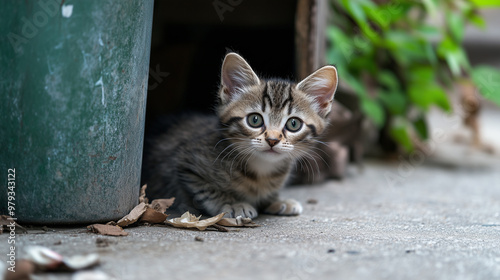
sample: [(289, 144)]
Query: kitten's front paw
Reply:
[(242, 209), (289, 207)]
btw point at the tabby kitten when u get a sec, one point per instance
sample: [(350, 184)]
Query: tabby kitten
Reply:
[(237, 161)]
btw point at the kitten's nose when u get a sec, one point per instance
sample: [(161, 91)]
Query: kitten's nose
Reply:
[(272, 141)]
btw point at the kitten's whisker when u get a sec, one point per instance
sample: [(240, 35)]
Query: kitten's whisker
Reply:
[(223, 151), (309, 149), (248, 159), (230, 153), (248, 153), (295, 160), (307, 169), (320, 142), (302, 165), (319, 156), (244, 154), (313, 159), (307, 162), (315, 162), (241, 155), (321, 150), (234, 158), (311, 165), (226, 139)]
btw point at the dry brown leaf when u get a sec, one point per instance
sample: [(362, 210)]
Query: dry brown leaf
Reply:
[(237, 222), (161, 205), (6, 221), (153, 217), (133, 216), (142, 196), (188, 220), (107, 230), (219, 228)]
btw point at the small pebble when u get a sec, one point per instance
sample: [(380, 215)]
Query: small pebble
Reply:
[(200, 239), (103, 242), (353, 252), (312, 201), (331, 251)]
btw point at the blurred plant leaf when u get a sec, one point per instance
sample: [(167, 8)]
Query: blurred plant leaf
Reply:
[(423, 90), (476, 19), (428, 31), (395, 101), (405, 48), (454, 56), (385, 15), (431, 55), (425, 95), (341, 46), (421, 74), (388, 79), (354, 8), (430, 7), (373, 110), (420, 126), (355, 84), (455, 23), (399, 133), (486, 3), (362, 44), (487, 80)]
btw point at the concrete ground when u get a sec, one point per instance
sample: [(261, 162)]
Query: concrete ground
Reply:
[(438, 219)]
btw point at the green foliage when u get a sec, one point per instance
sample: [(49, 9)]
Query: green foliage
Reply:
[(487, 3), (401, 135), (487, 79), (399, 64)]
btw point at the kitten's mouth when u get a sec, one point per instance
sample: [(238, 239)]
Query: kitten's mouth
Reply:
[(271, 151)]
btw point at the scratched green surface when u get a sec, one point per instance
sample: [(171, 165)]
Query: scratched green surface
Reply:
[(72, 107)]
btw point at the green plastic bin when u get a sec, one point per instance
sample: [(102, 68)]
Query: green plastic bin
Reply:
[(73, 86)]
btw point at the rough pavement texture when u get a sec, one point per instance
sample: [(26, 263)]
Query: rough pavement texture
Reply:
[(434, 220)]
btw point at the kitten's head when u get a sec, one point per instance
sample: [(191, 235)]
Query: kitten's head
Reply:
[(273, 119)]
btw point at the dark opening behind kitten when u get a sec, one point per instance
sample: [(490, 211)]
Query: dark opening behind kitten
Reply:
[(237, 161)]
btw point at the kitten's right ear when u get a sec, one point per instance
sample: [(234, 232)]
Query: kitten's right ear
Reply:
[(236, 74), (321, 85)]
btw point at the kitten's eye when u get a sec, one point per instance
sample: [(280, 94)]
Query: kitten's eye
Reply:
[(255, 120), (293, 124)]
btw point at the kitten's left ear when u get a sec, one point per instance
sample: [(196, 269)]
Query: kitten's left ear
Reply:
[(322, 85), (236, 74)]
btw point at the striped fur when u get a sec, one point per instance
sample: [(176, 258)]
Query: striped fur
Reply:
[(214, 164)]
